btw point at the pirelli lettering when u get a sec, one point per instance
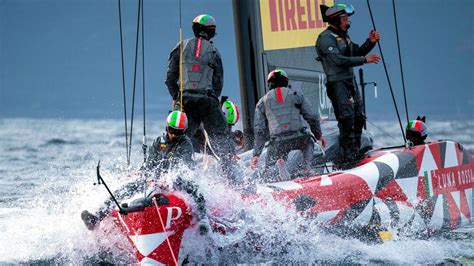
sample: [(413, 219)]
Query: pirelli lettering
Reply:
[(291, 23), (295, 14)]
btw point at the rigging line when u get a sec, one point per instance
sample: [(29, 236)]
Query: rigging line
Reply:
[(164, 230), (208, 142), (123, 82), (134, 78), (388, 77), (180, 61), (400, 60), (143, 83), (144, 147), (180, 14)]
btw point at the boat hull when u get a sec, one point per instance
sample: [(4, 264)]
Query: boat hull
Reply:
[(398, 191), (428, 187)]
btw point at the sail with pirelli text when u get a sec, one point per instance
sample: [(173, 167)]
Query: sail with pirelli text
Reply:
[(280, 34)]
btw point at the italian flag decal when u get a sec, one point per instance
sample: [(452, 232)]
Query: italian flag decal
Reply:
[(428, 184), (177, 120)]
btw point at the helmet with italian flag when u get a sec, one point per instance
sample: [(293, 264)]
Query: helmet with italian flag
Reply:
[(204, 26), (416, 131), (231, 112), (177, 122), (277, 78)]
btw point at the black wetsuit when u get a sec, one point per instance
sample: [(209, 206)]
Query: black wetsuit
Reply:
[(163, 156), (338, 55)]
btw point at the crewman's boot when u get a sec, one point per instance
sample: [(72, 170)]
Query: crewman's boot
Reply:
[(346, 145), (348, 158)]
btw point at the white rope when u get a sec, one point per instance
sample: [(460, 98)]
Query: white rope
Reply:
[(208, 142), (205, 160)]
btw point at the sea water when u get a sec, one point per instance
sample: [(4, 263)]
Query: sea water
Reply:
[(47, 171)]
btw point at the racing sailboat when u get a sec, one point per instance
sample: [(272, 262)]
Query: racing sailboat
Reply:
[(399, 190)]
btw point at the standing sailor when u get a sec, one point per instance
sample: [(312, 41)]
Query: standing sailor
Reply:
[(279, 114), (202, 82), (338, 55)]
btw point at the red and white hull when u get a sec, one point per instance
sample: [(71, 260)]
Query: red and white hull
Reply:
[(427, 188)]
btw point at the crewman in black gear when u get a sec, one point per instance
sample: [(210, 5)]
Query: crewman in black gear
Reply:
[(202, 83), (279, 117), (165, 154), (338, 55)]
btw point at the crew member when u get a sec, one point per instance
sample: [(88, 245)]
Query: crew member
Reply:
[(279, 114), (232, 115), (416, 131), (202, 82), (174, 147), (166, 154), (338, 55)]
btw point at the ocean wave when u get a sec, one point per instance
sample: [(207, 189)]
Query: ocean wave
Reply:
[(59, 141), (26, 148)]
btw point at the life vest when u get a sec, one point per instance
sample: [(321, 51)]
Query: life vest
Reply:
[(198, 59), (325, 47), (163, 149), (283, 113)]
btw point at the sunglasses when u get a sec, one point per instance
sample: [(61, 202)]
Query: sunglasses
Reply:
[(174, 131)]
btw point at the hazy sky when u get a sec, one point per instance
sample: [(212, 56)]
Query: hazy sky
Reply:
[(61, 58)]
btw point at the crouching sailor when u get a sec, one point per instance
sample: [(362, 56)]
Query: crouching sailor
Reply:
[(279, 113), (174, 147), (232, 115), (166, 153), (416, 131)]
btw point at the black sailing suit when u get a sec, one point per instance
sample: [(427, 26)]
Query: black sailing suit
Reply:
[(163, 156), (338, 55), (279, 116), (203, 79)]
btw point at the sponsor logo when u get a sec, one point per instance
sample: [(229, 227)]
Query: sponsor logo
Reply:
[(288, 15), (173, 214), (197, 51), (452, 179), (291, 23)]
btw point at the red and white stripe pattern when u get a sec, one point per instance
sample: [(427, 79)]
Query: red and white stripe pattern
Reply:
[(177, 120)]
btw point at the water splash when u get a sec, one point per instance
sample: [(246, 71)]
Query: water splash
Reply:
[(44, 188)]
